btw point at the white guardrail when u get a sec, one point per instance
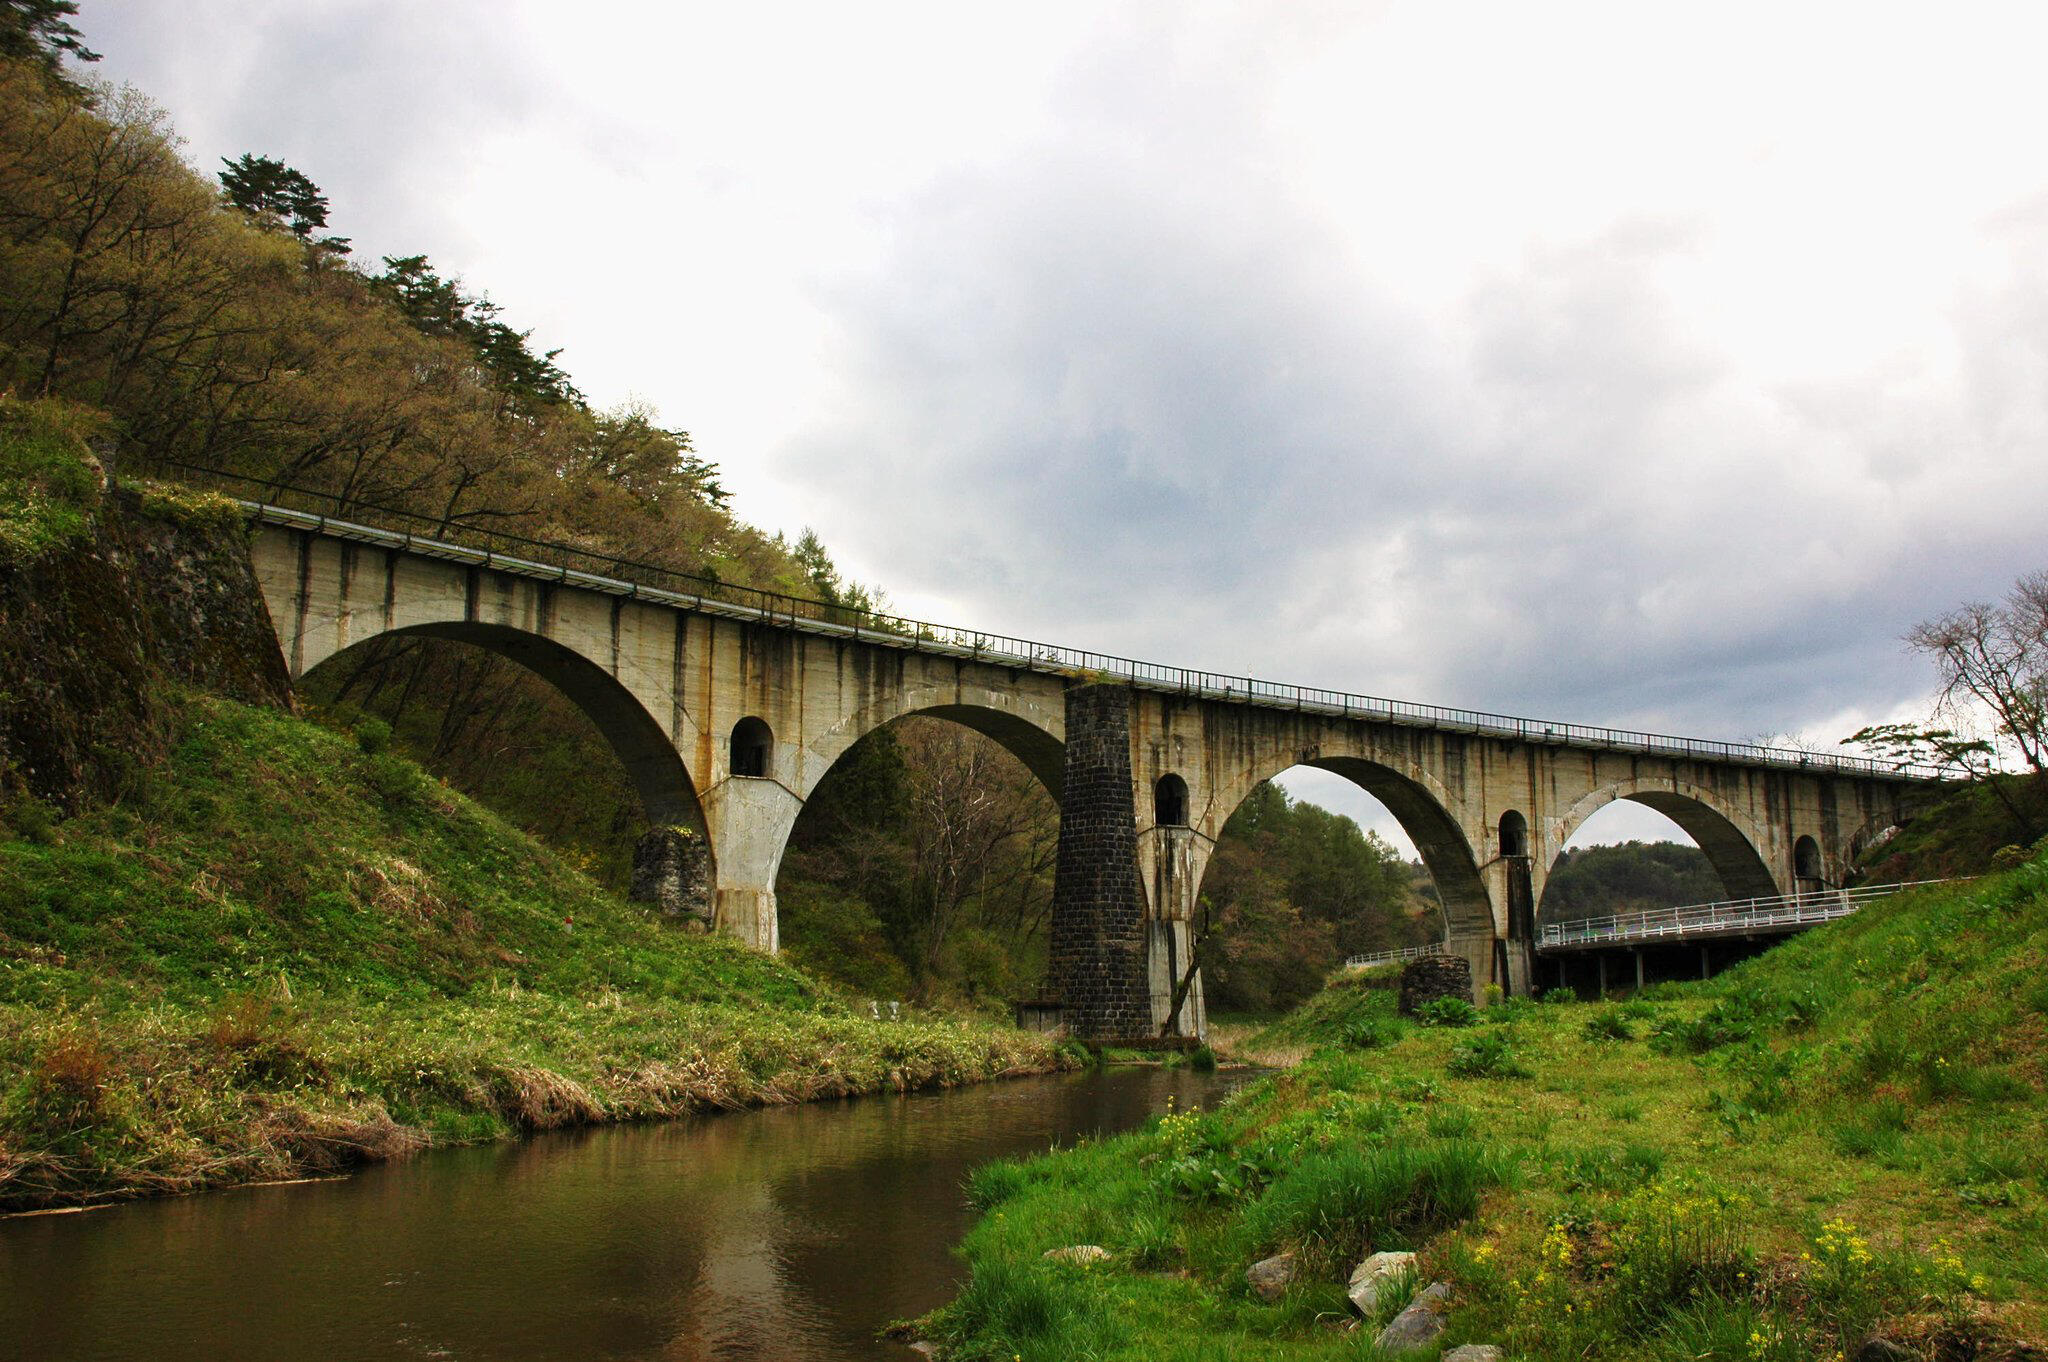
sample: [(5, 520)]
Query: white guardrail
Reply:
[(1393, 957), (1716, 919), (1002, 650)]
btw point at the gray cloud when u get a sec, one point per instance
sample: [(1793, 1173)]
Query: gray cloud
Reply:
[(1129, 380)]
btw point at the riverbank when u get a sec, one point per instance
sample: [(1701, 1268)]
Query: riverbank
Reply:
[(1843, 1140), (284, 951)]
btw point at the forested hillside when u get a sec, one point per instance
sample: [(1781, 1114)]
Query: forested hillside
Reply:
[(1292, 890), (221, 321), (1629, 877)]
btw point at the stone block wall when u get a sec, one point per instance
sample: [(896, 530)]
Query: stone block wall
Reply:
[(1434, 976), (1098, 964)]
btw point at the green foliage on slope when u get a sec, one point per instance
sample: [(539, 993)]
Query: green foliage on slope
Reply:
[(1844, 1138), (1628, 877), (288, 951)]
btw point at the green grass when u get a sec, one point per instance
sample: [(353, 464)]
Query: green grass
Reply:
[(1844, 1136), (289, 953), (49, 488)]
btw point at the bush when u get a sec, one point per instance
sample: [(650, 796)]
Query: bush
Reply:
[(1371, 1033), (1332, 1206), (995, 1182), (1559, 995), (373, 735), (1725, 1023), (1489, 1054), (1447, 1012), (1607, 1024), (1675, 1247), (33, 821)]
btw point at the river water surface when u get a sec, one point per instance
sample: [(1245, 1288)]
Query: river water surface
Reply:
[(795, 1232)]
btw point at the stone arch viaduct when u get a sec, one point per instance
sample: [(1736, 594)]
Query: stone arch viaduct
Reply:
[(727, 716)]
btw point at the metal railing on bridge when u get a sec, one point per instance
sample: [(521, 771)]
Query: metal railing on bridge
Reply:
[(626, 577), (1406, 953), (1731, 918)]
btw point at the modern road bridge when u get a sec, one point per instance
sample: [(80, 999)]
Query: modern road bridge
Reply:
[(727, 708)]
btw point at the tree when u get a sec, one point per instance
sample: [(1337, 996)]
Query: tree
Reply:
[(270, 190), (40, 32), (1996, 656)]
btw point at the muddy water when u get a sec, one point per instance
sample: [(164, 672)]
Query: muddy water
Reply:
[(792, 1233)]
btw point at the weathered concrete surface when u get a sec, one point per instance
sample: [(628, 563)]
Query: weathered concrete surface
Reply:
[(668, 684), (1452, 792)]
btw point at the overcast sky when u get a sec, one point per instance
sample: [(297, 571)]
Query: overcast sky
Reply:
[(1648, 365)]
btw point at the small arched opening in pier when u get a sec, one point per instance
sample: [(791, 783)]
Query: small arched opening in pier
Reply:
[(1170, 802), (753, 748)]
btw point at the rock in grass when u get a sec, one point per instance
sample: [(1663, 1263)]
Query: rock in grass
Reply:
[(1373, 1276), (1419, 1325), (1474, 1352), (1080, 1255), (1269, 1278)]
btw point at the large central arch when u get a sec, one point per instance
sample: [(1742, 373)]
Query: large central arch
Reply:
[(1441, 843), (1732, 843)]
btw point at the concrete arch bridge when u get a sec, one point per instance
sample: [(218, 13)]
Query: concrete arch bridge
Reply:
[(726, 717)]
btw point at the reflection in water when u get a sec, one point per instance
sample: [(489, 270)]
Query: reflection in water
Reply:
[(796, 1232)]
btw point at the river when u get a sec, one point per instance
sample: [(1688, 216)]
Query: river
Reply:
[(788, 1233)]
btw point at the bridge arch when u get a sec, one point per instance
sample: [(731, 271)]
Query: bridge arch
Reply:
[(1418, 802), (1733, 845), (1039, 756), (644, 748), (1029, 736)]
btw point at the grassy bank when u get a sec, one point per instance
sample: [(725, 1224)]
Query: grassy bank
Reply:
[(1842, 1139), (288, 951)]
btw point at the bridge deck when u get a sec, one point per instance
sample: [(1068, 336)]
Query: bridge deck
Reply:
[(1710, 921), (888, 631)]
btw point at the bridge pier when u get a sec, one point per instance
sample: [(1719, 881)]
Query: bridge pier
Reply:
[(1170, 941), (1099, 964), (750, 818)]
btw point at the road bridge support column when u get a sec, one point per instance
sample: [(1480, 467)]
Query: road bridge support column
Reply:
[(1098, 965), (1177, 864), (749, 819)]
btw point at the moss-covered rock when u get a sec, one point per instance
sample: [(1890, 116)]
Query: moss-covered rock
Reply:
[(107, 596)]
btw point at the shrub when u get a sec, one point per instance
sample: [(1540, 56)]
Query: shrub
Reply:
[(1202, 1059), (1513, 1010), (2009, 858), (373, 735), (1559, 995), (1331, 1206), (1725, 1023), (1611, 1168), (995, 1182), (1371, 1033), (1675, 1246), (33, 821), (1607, 1024), (1447, 1012), (1489, 1054)]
